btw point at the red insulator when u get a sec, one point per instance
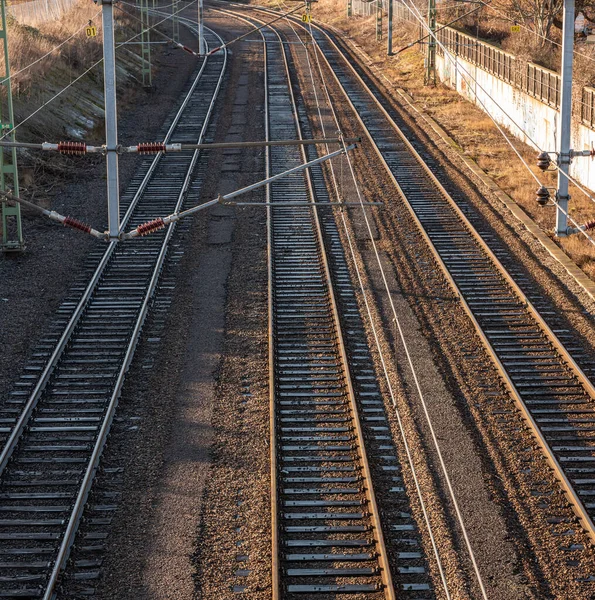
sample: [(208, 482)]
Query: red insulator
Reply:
[(589, 225), (76, 224), (72, 147), (215, 50), (151, 148), (146, 228), (189, 50)]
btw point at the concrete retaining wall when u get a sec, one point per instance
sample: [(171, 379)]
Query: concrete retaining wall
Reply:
[(538, 120)]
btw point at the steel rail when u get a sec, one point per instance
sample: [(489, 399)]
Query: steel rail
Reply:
[(275, 525), (404, 583), (81, 500), (275, 563), (74, 319), (76, 510), (381, 546), (335, 125), (577, 504)]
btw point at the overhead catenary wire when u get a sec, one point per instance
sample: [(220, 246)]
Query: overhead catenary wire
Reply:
[(53, 215), (514, 21), (369, 313), (421, 39), (402, 337), (406, 349), (60, 92), (527, 136), (464, 73), (241, 37), (233, 41), (161, 222), (79, 148), (157, 31), (506, 17), (158, 7), (362, 203), (48, 53), (51, 99)]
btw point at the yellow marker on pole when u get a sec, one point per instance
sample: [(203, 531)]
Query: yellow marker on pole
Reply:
[(91, 31), (306, 18), (515, 29)]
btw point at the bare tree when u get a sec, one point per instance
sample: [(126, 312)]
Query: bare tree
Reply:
[(539, 15)]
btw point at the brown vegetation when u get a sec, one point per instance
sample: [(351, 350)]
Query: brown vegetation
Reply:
[(28, 44), (45, 59)]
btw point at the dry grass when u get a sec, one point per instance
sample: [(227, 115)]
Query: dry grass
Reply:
[(27, 44), (40, 69), (467, 124)]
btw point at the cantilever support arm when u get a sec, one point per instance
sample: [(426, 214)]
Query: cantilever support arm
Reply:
[(161, 222), (55, 216)]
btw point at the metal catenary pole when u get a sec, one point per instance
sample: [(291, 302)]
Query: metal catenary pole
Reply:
[(145, 43), (111, 120), (12, 230), (175, 21), (201, 34), (349, 7), (379, 11), (389, 47), (430, 71), (565, 119)]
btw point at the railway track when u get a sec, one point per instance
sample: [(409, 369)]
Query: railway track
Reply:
[(318, 461), (56, 421), (548, 375), (330, 444)]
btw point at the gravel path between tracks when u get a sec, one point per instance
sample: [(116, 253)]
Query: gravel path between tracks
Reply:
[(33, 283), (507, 507), (194, 517)]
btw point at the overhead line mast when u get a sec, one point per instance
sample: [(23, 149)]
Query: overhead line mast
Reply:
[(201, 34), (145, 38), (564, 152), (175, 21), (430, 70), (111, 119), (12, 229), (389, 45)]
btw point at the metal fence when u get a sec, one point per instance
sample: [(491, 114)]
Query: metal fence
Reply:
[(365, 8), (543, 84), (534, 80), (36, 12), (588, 107)]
